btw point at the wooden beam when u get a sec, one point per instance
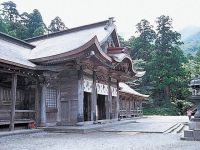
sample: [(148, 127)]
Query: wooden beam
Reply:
[(14, 89), (18, 71), (18, 111)]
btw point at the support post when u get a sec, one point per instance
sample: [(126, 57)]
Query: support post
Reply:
[(58, 107), (109, 99), (126, 104), (117, 102), (37, 102), (94, 98), (80, 117), (43, 106), (14, 89)]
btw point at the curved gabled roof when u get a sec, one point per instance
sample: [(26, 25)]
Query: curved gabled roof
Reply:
[(120, 55), (68, 41)]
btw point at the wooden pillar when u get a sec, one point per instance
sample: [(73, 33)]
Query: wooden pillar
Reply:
[(58, 107), (80, 115), (117, 112), (107, 106), (89, 107), (109, 99), (94, 98), (126, 105), (43, 106), (37, 102), (14, 89), (129, 107)]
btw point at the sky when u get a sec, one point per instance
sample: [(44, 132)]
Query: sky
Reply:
[(127, 13)]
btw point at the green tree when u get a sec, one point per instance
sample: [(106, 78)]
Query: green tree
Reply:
[(9, 11), (57, 25), (143, 44), (193, 64), (35, 24), (167, 71), (122, 41), (3, 26), (11, 22)]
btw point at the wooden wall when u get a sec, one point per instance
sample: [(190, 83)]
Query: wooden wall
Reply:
[(69, 97), (24, 101)]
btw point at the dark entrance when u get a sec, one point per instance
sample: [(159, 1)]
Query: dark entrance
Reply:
[(101, 109), (87, 106)]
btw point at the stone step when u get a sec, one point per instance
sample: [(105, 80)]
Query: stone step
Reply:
[(178, 129), (172, 128)]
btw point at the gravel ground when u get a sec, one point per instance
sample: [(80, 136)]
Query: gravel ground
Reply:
[(97, 141), (104, 140)]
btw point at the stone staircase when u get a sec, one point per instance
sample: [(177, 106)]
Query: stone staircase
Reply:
[(175, 129)]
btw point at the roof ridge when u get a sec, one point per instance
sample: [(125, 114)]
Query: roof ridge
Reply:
[(67, 31), (16, 40)]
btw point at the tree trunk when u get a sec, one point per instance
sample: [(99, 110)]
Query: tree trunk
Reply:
[(166, 94)]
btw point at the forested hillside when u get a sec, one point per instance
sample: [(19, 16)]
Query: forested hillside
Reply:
[(191, 39), (25, 25)]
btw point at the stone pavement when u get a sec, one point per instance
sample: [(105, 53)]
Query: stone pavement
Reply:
[(126, 139), (19, 132), (151, 124)]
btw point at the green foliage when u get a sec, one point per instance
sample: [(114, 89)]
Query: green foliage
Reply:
[(167, 71), (25, 25), (175, 108), (166, 110), (9, 11), (142, 46), (193, 64), (3, 26), (160, 55), (35, 24), (57, 25), (122, 41), (182, 106)]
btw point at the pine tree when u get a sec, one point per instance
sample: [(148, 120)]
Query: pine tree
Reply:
[(9, 11), (57, 25), (35, 24), (167, 71)]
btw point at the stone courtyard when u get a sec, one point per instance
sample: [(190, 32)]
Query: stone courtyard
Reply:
[(152, 133)]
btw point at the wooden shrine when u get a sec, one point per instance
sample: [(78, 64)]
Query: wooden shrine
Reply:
[(64, 78)]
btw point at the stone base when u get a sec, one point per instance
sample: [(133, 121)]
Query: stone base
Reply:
[(195, 120), (193, 125), (194, 130), (192, 135)]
